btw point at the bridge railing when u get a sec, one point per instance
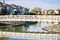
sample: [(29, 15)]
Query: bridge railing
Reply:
[(49, 18)]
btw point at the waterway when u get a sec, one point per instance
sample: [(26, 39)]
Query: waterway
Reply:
[(29, 27), (41, 37)]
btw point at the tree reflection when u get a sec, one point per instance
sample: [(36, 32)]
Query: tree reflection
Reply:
[(18, 28)]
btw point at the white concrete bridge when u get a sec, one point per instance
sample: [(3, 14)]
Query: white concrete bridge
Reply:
[(45, 18), (36, 36), (12, 22)]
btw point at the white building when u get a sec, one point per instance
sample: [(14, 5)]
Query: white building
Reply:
[(56, 12)]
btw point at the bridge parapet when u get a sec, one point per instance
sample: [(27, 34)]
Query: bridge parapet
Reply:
[(48, 18), (29, 35)]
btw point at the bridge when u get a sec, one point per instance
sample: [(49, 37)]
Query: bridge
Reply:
[(19, 19), (45, 18), (35, 36), (12, 22)]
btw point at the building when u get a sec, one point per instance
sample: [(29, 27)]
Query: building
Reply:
[(13, 9), (19, 10), (26, 11), (13, 6), (58, 11), (44, 12), (0, 7), (7, 9), (51, 11), (33, 11), (39, 11), (36, 11)]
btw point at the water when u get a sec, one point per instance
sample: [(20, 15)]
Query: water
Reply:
[(38, 27), (41, 37), (33, 28), (28, 27), (16, 39)]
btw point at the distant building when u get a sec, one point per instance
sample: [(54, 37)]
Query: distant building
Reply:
[(20, 11), (51, 11), (58, 11), (26, 11), (12, 9), (0, 6), (48, 11), (36, 10), (44, 11), (33, 11), (7, 9), (13, 6), (39, 11)]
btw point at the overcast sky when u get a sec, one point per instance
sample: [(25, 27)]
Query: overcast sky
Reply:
[(44, 4)]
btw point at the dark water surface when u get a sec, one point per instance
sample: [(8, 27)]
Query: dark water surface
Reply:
[(29, 27), (26, 27)]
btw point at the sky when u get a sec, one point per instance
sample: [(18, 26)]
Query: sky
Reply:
[(44, 4)]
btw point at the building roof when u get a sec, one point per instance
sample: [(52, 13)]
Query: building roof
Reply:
[(3, 4), (37, 9), (13, 6)]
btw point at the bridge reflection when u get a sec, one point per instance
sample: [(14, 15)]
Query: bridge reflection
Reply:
[(27, 26)]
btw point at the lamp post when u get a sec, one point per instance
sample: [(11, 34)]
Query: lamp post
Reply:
[(3, 1)]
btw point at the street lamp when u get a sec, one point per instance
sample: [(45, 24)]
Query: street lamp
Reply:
[(3, 1)]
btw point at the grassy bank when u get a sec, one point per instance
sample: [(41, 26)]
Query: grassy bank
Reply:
[(3, 38)]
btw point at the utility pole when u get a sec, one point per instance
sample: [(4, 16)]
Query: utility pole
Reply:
[(3, 1)]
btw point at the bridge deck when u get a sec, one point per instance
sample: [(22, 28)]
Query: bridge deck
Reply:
[(12, 22), (48, 18), (28, 35)]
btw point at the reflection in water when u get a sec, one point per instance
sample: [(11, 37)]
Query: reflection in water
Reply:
[(27, 27), (3, 38), (41, 37), (38, 27)]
